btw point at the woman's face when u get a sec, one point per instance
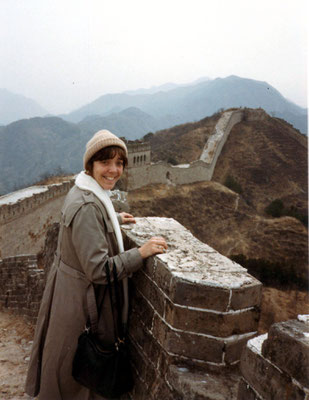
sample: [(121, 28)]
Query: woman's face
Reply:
[(107, 172)]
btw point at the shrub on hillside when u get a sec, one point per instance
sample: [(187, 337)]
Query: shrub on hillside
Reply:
[(276, 209), (232, 184)]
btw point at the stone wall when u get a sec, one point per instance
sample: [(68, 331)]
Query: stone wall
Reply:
[(137, 176), (23, 224), (275, 366), (197, 171), (21, 285), (193, 311)]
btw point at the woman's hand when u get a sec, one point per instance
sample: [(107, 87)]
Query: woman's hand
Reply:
[(127, 218), (156, 245)]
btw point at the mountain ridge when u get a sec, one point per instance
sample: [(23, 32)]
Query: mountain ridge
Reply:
[(194, 102)]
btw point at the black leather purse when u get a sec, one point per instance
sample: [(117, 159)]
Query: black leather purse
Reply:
[(103, 369)]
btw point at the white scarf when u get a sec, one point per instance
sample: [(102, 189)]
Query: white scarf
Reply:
[(86, 182)]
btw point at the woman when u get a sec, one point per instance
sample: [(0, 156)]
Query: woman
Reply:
[(89, 236)]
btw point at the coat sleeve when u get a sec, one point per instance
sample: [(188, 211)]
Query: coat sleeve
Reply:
[(89, 237)]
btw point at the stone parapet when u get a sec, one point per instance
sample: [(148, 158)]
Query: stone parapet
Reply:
[(287, 346), (191, 307), (192, 311), (25, 220), (275, 366), (12, 210)]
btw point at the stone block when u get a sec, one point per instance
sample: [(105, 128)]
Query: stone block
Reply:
[(245, 392), (246, 296), (143, 338), (163, 277), (150, 267), (199, 295), (211, 323), (142, 309), (146, 372), (266, 379), (234, 347), (287, 347), (149, 290), (190, 345)]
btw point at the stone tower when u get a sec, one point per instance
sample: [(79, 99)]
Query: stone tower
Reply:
[(139, 156)]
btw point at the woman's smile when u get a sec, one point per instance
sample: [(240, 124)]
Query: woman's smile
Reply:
[(108, 172)]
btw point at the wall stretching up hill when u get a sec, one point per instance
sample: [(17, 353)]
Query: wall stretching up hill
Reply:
[(137, 176)]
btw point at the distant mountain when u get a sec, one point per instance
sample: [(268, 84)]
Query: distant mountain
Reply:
[(34, 148), (165, 87), (192, 103), (31, 149), (14, 107), (132, 123)]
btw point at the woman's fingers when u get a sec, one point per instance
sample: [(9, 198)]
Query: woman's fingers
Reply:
[(127, 218), (156, 245)]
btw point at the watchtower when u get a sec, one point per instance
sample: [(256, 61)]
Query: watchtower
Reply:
[(139, 157)]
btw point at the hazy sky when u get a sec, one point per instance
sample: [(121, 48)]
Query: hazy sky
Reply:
[(66, 53)]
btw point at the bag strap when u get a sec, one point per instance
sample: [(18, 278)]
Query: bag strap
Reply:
[(92, 306), (119, 313)]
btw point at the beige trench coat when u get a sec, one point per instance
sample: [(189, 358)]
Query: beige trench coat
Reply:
[(88, 240)]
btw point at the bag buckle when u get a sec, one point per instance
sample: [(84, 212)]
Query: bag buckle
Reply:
[(118, 343)]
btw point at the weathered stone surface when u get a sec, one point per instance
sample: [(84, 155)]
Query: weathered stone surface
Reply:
[(188, 344), (162, 276), (247, 296), (141, 309), (193, 385), (211, 323), (143, 338), (245, 392), (287, 347), (188, 258), (265, 378), (201, 296), (150, 291), (234, 347)]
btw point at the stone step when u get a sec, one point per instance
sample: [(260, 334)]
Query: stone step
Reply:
[(287, 347)]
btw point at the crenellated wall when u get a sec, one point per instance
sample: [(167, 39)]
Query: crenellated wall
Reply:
[(25, 216)]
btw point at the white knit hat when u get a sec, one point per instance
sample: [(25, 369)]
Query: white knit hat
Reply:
[(99, 140)]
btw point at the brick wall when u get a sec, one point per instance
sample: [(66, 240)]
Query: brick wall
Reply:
[(21, 285)]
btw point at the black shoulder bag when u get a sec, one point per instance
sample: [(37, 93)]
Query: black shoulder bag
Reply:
[(103, 369)]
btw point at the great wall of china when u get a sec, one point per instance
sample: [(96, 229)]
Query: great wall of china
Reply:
[(196, 313)]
